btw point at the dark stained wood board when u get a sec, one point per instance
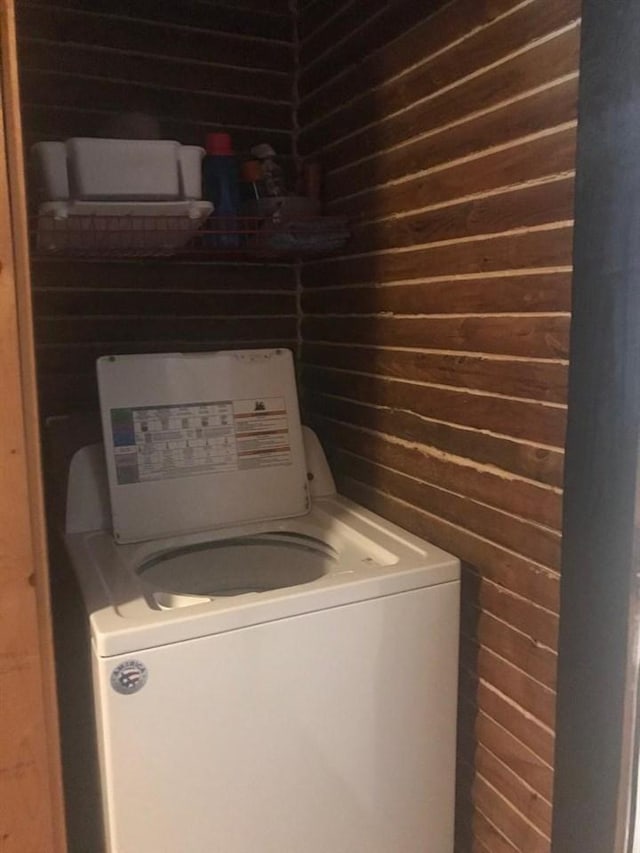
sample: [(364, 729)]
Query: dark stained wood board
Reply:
[(451, 148)]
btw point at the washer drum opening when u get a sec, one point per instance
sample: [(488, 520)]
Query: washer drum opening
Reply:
[(238, 566)]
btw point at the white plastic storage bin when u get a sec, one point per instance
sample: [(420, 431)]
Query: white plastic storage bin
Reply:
[(125, 169), (50, 166), (118, 170), (191, 171)]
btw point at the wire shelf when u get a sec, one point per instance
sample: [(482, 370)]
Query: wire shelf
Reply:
[(101, 236)]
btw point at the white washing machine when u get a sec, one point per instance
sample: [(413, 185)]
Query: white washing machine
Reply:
[(274, 667)]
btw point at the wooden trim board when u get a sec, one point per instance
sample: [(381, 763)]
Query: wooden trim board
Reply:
[(31, 818)]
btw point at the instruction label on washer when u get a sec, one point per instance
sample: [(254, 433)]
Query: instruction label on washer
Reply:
[(164, 442)]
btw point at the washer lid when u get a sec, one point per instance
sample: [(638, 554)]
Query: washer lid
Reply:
[(200, 441)]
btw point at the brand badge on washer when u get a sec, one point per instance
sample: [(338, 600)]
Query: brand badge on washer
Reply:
[(129, 677)]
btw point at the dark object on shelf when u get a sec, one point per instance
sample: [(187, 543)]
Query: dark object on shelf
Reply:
[(272, 173), (252, 187), (220, 186), (291, 225), (313, 236)]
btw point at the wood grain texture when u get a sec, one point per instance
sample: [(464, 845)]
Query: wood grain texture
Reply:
[(515, 208), (543, 465), (197, 67), (526, 336), (537, 380), (168, 104), (374, 23), (486, 47), (514, 755), (79, 66), (138, 303), (517, 419), (96, 62), (516, 647), (487, 839), (31, 811), (84, 310), (67, 376), (542, 157), (548, 247), (544, 63), (176, 38), (435, 347), (266, 21), (516, 828), (527, 114), (508, 294), (161, 276), (540, 544), (525, 499), (62, 121)]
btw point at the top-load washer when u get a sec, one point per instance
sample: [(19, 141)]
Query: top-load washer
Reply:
[(274, 666)]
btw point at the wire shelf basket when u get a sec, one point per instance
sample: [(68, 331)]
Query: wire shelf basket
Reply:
[(101, 236)]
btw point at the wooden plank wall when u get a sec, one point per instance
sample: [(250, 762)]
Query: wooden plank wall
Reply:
[(198, 65), (435, 348)]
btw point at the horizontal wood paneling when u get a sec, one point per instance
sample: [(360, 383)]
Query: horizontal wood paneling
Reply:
[(277, 7), (503, 294), (317, 15), (517, 647), (534, 622), (519, 207), (542, 380), (534, 336), (523, 728), (527, 114), (421, 44), (173, 35), (367, 24), (484, 48), (99, 63), (520, 419), (535, 542), (115, 302), (67, 380), (179, 105), (543, 64), (267, 21), (88, 309), (146, 327), (514, 755), (539, 158), (547, 247), (435, 347), (486, 838), (516, 828), (50, 121), (196, 66), (540, 464), (162, 275)]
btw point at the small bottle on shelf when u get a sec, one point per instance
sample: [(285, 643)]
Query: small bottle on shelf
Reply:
[(220, 186)]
